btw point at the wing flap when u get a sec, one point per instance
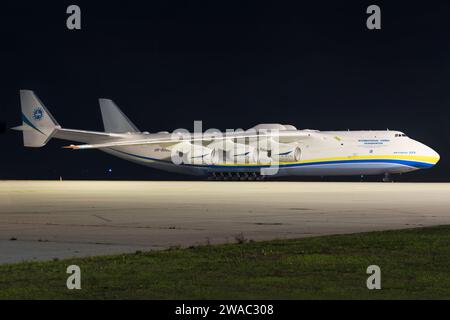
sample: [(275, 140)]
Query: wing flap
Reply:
[(86, 136)]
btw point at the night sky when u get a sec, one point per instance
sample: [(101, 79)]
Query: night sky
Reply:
[(232, 64)]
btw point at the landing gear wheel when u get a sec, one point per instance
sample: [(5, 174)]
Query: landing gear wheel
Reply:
[(252, 176), (387, 178), (235, 176)]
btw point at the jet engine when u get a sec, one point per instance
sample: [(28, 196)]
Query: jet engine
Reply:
[(230, 152), (287, 153), (279, 152), (188, 153), (242, 153)]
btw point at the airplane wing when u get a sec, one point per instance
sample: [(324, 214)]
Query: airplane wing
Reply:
[(282, 137)]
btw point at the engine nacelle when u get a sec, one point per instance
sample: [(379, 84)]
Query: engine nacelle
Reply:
[(199, 155), (285, 153), (272, 151), (229, 152), (242, 153), (279, 152), (188, 153)]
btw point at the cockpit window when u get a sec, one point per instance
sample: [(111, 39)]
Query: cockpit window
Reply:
[(400, 135)]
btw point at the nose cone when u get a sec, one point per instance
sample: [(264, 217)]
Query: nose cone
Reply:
[(432, 155)]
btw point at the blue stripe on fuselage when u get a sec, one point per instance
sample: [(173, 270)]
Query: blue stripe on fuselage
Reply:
[(415, 164)]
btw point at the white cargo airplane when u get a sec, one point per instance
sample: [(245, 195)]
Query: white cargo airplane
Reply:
[(264, 150)]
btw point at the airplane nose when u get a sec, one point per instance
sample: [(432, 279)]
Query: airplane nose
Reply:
[(434, 155)]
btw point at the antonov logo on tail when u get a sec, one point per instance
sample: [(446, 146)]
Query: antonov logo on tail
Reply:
[(38, 114)]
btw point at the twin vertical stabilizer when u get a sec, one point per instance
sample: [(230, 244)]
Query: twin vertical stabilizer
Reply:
[(39, 126)]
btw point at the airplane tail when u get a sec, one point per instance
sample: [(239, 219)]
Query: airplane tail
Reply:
[(114, 120), (38, 125)]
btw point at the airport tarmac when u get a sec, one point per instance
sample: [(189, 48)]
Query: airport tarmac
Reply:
[(42, 220)]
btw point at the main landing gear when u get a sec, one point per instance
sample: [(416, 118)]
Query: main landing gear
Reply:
[(235, 176), (387, 178)]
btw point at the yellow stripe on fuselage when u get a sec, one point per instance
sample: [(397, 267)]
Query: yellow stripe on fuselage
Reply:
[(427, 159)]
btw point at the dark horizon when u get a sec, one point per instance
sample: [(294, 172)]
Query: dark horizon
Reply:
[(232, 65)]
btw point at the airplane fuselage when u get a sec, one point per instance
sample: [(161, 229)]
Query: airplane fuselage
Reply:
[(267, 149), (335, 153)]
